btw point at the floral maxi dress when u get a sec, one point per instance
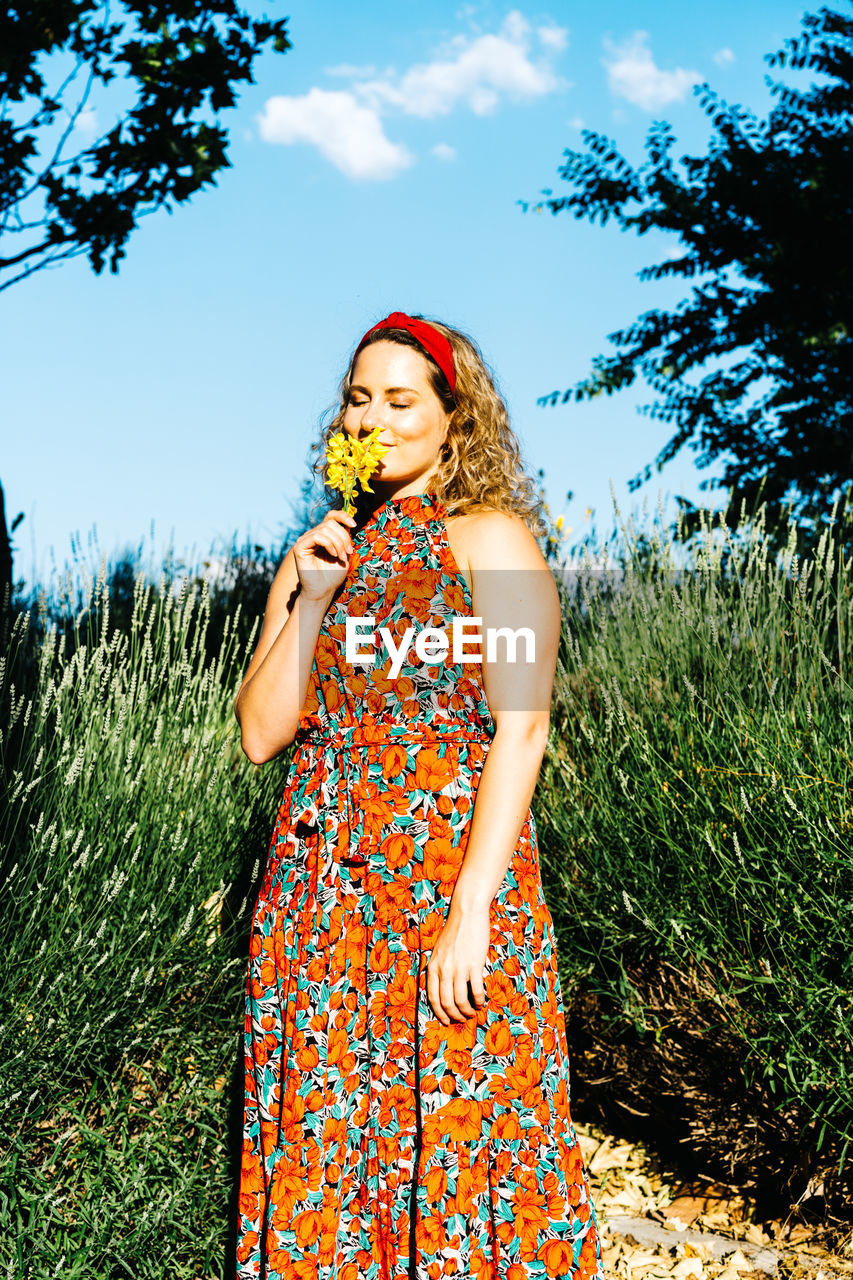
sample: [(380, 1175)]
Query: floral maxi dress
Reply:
[(379, 1144)]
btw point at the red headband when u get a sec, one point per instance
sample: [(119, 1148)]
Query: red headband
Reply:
[(432, 341)]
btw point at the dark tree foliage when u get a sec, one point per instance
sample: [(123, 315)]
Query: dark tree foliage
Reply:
[(180, 59), (757, 362), (7, 585)]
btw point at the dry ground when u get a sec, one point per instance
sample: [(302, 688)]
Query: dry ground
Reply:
[(655, 1228)]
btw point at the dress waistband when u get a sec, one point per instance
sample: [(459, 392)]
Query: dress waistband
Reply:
[(316, 741), (359, 735)]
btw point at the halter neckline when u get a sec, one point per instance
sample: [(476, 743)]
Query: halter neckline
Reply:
[(409, 504)]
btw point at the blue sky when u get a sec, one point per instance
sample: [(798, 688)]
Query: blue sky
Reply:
[(377, 166)]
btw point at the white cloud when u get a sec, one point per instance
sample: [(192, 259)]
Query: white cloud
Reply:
[(724, 57), (632, 74), (556, 38), (476, 73), (347, 133), (86, 123), (350, 70), (473, 71)]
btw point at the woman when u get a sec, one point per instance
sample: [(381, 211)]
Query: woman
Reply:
[(407, 1074)]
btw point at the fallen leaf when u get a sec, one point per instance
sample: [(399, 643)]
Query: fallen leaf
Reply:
[(688, 1267)]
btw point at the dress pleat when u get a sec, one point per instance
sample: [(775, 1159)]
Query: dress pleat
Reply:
[(379, 1144)]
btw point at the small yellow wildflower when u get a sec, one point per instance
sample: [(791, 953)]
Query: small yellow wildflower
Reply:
[(338, 449), (336, 475), (352, 462)]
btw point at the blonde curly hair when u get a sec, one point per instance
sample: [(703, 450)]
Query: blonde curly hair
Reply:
[(480, 467)]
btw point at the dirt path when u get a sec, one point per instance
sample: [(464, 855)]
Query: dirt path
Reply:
[(655, 1229)]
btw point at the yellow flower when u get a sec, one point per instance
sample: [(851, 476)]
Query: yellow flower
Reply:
[(350, 462), (338, 448), (336, 475)]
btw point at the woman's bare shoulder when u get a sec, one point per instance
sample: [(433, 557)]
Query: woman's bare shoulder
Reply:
[(492, 539)]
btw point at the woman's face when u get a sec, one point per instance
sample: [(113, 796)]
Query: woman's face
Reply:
[(391, 390)]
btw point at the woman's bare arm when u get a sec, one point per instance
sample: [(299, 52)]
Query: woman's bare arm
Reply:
[(272, 694), (513, 587)]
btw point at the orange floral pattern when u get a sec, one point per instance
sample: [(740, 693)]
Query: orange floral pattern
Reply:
[(379, 1144)]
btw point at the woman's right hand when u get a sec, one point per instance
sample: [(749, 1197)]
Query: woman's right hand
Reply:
[(322, 555)]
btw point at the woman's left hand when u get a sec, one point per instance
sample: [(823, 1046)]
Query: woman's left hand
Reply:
[(459, 958)]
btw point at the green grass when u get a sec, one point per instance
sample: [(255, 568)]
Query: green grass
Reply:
[(133, 837), (695, 808)]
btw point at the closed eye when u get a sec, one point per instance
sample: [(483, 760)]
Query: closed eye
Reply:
[(357, 404)]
